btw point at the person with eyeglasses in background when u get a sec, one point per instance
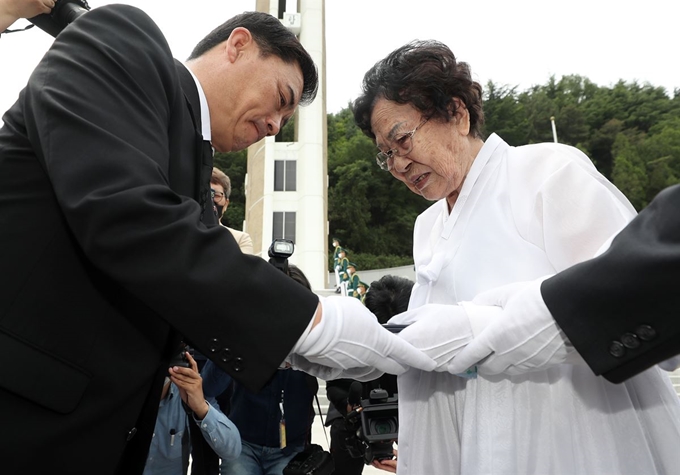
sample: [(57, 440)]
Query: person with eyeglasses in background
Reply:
[(220, 185), (501, 215)]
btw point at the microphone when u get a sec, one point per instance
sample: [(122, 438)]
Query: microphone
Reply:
[(354, 394), (63, 13)]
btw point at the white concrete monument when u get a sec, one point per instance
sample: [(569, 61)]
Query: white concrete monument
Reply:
[(287, 182)]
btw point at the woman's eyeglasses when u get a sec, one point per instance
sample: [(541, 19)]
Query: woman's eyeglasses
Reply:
[(404, 145)]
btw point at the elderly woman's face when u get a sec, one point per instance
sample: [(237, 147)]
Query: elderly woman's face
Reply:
[(442, 152)]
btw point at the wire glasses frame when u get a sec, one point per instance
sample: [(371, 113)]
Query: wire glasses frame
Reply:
[(385, 160), (216, 194)]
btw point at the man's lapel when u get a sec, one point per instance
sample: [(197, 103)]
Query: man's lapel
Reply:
[(204, 152)]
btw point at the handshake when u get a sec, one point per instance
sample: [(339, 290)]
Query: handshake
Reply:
[(506, 330)]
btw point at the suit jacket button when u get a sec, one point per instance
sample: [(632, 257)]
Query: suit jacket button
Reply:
[(238, 364), (616, 349), (630, 340), (645, 332), (214, 345), (131, 434), (225, 355)]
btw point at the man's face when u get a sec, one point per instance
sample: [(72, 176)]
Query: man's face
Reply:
[(249, 96), (266, 93)]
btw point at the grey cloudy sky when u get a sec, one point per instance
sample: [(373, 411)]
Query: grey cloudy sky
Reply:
[(521, 42)]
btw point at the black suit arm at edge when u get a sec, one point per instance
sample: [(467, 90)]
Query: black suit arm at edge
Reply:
[(634, 283)]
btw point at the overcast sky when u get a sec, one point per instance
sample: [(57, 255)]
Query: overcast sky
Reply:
[(521, 42)]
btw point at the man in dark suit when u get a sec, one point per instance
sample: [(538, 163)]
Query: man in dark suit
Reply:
[(111, 252), (619, 311)]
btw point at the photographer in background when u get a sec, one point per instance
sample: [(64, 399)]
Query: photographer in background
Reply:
[(182, 397), (385, 298), (276, 422), (12, 10)]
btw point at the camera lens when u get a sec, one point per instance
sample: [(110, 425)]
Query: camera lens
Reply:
[(383, 425)]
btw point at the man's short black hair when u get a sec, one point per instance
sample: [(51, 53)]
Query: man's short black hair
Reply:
[(388, 296), (273, 39)]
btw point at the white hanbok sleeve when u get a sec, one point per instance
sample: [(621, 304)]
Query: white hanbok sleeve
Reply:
[(575, 212)]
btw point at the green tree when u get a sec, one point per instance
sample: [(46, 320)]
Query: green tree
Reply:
[(571, 125), (504, 114), (540, 107), (629, 174), (599, 145), (661, 151)]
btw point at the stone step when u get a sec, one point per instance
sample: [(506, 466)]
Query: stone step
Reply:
[(323, 400)]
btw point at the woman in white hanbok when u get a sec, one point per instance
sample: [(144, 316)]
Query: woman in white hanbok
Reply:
[(502, 215)]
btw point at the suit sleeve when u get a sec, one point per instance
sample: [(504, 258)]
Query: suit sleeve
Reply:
[(620, 310), (98, 109), (215, 382)]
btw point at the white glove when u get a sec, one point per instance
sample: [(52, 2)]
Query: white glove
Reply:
[(349, 336), (327, 373), (523, 338), (439, 331)]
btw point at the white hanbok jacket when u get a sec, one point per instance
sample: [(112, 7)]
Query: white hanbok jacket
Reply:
[(525, 212)]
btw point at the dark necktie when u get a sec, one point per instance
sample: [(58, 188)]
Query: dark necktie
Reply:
[(206, 168), (207, 152)]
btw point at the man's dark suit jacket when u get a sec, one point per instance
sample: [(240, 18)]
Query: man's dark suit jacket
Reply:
[(622, 310), (104, 258)]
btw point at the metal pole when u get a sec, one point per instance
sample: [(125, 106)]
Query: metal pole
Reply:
[(554, 129)]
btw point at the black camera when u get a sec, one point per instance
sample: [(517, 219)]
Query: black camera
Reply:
[(63, 13), (180, 359), (311, 461), (279, 252), (376, 425)]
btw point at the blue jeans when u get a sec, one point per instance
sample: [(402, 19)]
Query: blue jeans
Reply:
[(258, 460)]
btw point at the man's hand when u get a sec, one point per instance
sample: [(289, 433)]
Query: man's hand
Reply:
[(349, 336), (389, 465), (439, 331), (190, 385), (12, 10), (523, 338)]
